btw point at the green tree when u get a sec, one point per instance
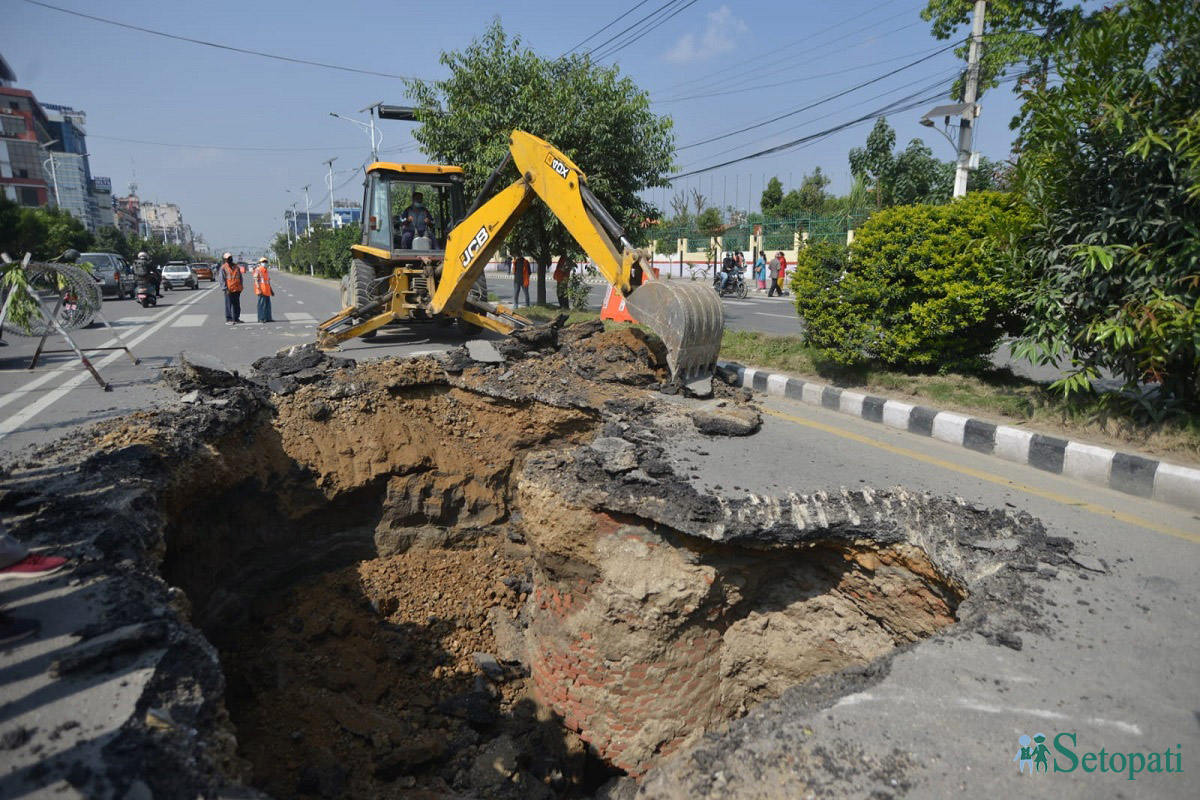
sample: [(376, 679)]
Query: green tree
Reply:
[(598, 117), (1020, 35), (873, 163), (772, 198), (1111, 162), (710, 222), (111, 240), (45, 232), (812, 198)]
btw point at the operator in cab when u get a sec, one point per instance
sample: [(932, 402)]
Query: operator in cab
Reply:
[(415, 220)]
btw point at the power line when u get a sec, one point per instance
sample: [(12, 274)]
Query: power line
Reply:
[(624, 31), (221, 46), (781, 48), (218, 147), (823, 100), (743, 90), (658, 23), (811, 138), (604, 28)]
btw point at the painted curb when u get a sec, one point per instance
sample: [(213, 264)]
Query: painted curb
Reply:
[(1128, 473)]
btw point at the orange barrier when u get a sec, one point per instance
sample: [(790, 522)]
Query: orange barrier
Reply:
[(614, 304)]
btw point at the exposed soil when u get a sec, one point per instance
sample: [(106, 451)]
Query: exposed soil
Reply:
[(448, 577)]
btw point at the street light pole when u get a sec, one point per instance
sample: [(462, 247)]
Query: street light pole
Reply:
[(329, 164), (967, 126), (307, 215)]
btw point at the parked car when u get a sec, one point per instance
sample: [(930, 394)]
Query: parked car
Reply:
[(177, 273), (204, 271), (115, 277)]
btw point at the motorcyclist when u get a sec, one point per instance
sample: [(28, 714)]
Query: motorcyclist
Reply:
[(142, 269), (728, 267)]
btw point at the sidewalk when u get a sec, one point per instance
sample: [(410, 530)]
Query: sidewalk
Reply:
[(1130, 473)]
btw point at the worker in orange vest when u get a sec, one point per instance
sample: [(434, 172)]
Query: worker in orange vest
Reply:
[(262, 288), (520, 280), (231, 285)]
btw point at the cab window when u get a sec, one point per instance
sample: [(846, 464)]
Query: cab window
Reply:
[(379, 221)]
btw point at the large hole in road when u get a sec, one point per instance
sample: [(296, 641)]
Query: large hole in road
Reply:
[(487, 579)]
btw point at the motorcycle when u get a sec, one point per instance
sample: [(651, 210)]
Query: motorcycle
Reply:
[(145, 295), (735, 286)]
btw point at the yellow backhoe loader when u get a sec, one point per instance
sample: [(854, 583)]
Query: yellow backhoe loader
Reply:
[(415, 263)]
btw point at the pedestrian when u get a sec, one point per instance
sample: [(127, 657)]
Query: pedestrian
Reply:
[(562, 277), (231, 285), (262, 288), (760, 271), (520, 280), (773, 276), (16, 562), (782, 273)]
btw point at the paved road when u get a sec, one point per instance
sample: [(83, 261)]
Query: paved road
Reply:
[(1117, 665), (38, 406)]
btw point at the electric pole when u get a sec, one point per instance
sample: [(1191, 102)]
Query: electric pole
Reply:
[(307, 215), (967, 125), (329, 164)]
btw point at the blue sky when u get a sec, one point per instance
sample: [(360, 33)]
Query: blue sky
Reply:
[(710, 68)]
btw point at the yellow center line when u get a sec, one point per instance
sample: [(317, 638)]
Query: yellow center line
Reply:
[(1121, 516)]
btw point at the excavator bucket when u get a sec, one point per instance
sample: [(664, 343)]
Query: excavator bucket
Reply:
[(689, 318)]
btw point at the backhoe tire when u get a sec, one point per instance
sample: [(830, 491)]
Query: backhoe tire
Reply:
[(478, 292), (362, 288)]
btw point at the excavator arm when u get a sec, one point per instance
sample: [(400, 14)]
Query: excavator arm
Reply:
[(688, 317)]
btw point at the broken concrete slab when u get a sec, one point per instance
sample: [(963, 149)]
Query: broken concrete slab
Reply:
[(484, 351)]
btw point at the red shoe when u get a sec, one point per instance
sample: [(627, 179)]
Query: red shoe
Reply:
[(33, 566)]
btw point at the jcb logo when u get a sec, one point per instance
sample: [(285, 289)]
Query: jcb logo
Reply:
[(562, 169), (473, 248)]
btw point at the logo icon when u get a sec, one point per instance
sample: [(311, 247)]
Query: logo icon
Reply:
[(1033, 753), (562, 169)]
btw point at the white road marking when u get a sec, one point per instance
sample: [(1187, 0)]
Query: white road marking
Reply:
[(781, 316), (299, 302), (190, 321), (33, 409), (299, 316)]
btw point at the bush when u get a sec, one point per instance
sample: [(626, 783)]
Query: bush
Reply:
[(919, 288), (1111, 161)]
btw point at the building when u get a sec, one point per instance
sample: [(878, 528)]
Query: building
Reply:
[(102, 192), (71, 173), (346, 216), (165, 221), (24, 136), (127, 214)]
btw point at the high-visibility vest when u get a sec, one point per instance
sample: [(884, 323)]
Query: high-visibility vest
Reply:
[(262, 282), (233, 278)]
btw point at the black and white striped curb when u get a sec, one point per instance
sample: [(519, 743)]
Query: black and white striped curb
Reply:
[(1125, 472)]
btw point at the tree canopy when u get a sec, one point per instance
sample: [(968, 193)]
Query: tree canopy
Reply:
[(1110, 161), (599, 118)]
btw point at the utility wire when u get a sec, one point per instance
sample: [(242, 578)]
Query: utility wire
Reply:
[(624, 31), (658, 23), (743, 90), (823, 100), (218, 147), (221, 46), (736, 67), (811, 138), (603, 28)]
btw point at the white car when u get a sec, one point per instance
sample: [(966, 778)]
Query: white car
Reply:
[(174, 275)]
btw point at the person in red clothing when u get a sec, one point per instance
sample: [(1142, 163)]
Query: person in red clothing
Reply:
[(520, 280), (562, 278), (262, 288), (782, 270)]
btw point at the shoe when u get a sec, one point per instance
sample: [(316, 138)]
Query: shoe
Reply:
[(228, 322), (33, 566), (14, 629)]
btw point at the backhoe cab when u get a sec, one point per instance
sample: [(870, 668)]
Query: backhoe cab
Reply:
[(422, 258)]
